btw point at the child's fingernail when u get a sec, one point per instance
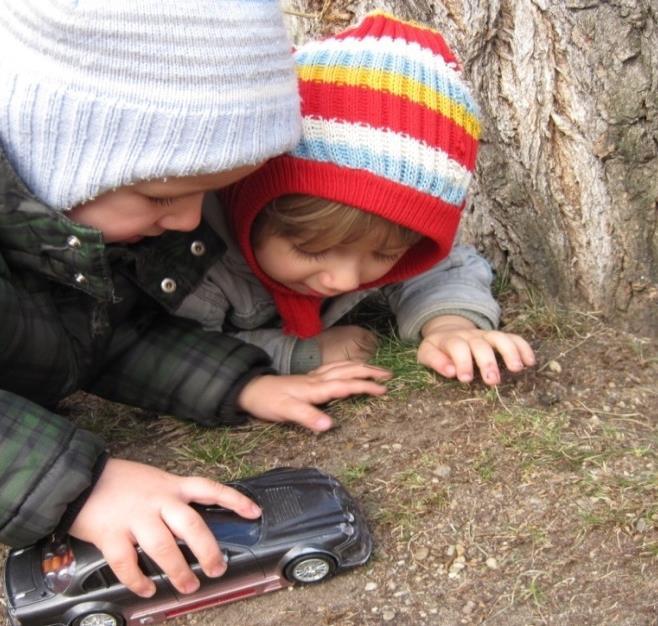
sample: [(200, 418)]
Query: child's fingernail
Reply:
[(465, 378), (450, 371), (191, 586), (147, 592), (255, 510), (217, 570), (323, 423)]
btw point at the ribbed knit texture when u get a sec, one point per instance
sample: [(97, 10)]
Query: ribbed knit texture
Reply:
[(389, 127), (96, 94)]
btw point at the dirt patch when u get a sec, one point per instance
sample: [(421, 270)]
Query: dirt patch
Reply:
[(534, 503)]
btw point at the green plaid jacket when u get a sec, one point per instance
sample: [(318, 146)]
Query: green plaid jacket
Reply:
[(75, 314)]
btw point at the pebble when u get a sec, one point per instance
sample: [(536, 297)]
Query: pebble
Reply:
[(468, 607), (397, 446), (388, 615), (492, 563), (442, 471), (421, 553), (457, 566), (554, 366), (371, 586), (642, 525)]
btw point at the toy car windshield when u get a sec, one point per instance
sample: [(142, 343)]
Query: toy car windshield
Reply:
[(228, 527)]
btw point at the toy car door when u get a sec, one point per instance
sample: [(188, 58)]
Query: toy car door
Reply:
[(243, 577)]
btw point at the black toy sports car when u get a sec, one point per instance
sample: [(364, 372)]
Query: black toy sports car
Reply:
[(310, 529)]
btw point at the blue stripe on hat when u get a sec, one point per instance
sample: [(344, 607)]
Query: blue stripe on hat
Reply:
[(381, 164)]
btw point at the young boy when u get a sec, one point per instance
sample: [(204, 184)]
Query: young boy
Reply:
[(370, 199), (115, 118)]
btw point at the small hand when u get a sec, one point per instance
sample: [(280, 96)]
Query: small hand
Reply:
[(353, 343), (452, 343), (293, 398), (135, 504)]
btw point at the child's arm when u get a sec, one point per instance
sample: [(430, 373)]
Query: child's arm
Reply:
[(451, 312), (451, 343), (291, 355), (46, 463), (135, 504), (176, 367), (293, 398)]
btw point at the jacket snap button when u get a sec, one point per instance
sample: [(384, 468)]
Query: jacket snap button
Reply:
[(198, 248), (81, 279), (73, 242), (168, 285)]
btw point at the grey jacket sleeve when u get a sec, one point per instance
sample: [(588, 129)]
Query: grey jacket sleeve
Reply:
[(289, 355), (458, 285)]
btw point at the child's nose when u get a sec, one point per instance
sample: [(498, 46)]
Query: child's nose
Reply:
[(343, 277), (188, 215)]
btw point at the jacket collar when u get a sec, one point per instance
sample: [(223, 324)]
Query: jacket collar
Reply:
[(37, 237)]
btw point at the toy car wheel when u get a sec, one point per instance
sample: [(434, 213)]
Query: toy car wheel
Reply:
[(99, 619), (310, 568)]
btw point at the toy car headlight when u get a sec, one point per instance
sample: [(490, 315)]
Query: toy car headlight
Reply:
[(57, 566)]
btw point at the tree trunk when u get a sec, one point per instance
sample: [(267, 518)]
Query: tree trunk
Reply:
[(567, 180)]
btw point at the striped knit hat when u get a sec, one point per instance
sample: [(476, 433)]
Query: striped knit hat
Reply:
[(389, 127), (97, 94)]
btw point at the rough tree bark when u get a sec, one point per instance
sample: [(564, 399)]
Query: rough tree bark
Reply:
[(567, 179)]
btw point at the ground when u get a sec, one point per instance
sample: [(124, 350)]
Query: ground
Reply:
[(532, 503)]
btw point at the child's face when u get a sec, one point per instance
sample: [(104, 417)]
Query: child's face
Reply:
[(330, 272), (150, 208)]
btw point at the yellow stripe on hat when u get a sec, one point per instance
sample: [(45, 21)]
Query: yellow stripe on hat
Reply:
[(398, 86)]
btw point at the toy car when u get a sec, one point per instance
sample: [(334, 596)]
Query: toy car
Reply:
[(310, 529)]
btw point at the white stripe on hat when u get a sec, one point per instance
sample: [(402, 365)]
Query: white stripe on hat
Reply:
[(397, 157)]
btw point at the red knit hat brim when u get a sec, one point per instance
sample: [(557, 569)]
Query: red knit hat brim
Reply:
[(436, 220)]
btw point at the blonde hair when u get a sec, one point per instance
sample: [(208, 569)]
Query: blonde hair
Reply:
[(321, 224)]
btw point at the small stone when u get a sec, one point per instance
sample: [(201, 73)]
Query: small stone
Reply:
[(388, 615), (457, 566), (442, 471), (391, 586), (460, 549), (371, 586), (642, 525), (468, 607), (421, 553), (397, 446), (450, 550), (554, 366), (492, 563)]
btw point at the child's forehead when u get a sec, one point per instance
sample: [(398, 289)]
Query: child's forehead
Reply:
[(378, 238)]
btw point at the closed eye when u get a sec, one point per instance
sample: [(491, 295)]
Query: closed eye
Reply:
[(314, 256), (387, 257), (161, 201)]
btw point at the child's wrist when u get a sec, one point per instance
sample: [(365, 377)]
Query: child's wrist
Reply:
[(443, 323)]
